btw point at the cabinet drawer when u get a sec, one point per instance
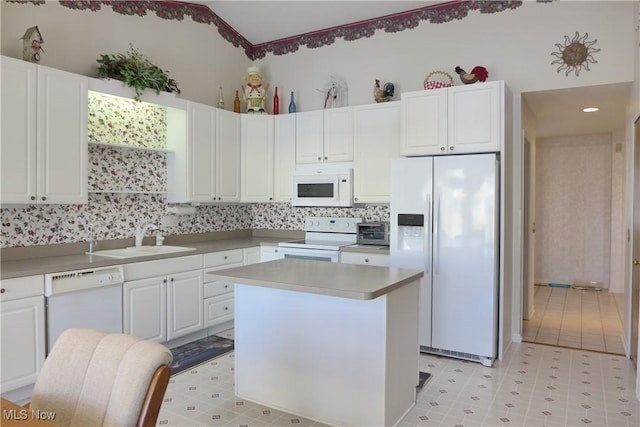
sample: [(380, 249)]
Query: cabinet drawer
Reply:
[(218, 309), (161, 267), (21, 287), (216, 288), (208, 278), (364, 259), (216, 259)]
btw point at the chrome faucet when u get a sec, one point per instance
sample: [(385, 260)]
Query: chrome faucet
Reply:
[(93, 242), (141, 230)]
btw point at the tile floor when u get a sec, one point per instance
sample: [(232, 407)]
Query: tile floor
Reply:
[(585, 319), (534, 385)]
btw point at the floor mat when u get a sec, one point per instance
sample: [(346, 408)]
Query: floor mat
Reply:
[(196, 352)]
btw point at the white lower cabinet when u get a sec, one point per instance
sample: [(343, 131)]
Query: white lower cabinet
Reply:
[(218, 294), (22, 324), (364, 258), (145, 308), (167, 305), (270, 253)]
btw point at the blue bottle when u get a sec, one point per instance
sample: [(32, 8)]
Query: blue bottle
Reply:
[(292, 105)]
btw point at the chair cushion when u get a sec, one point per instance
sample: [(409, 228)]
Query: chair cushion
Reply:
[(94, 378)]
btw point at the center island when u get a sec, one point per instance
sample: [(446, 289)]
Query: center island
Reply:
[(334, 343)]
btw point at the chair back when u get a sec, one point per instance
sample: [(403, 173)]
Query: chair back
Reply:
[(93, 378)]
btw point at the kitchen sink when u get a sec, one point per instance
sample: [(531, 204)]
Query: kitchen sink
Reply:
[(135, 251)]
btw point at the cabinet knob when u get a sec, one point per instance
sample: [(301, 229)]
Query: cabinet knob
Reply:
[(276, 251), (226, 308), (226, 286), (33, 197), (2, 290), (219, 198), (366, 260), (326, 158), (356, 199), (43, 198), (319, 158), (451, 148), (164, 281), (270, 198), (172, 280), (441, 148), (225, 257)]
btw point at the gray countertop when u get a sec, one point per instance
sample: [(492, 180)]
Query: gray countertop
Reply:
[(59, 263), (323, 278)]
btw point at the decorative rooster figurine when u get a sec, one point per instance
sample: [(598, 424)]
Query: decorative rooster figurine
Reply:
[(382, 94), (477, 74)]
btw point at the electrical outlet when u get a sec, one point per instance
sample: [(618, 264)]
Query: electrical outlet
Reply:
[(170, 221)]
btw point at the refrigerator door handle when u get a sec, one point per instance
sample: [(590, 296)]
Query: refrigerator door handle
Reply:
[(426, 241), (436, 236)]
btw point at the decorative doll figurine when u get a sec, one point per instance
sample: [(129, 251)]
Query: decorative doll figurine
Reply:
[(255, 93)]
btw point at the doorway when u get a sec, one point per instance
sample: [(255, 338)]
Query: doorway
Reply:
[(559, 314)]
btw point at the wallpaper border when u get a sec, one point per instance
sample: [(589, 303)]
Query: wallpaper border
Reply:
[(174, 10)]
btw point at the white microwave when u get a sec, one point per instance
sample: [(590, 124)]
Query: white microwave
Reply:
[(323, 187)]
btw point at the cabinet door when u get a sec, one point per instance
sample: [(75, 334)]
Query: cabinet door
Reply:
[(423, 124), (376, 142), (184, 304), (284, 152), (474, 118), (338, 135), (18, 131), (145, 308), (257, 158), (202, 155), (228, 156), (309, 137), (23, 341), (62, 136)]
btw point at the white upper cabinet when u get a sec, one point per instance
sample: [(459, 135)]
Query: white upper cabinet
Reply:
[(376, 141), (424, 122), (228, 155), (44, 134), (284, 162), (257, 158), (324, 136), (338, 135), (459, 119), (475, 117), (212, 167)]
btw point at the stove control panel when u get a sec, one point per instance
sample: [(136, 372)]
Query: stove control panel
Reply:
[(328, 224)]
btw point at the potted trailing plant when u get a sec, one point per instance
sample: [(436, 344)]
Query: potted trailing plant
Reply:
[(136, 71)]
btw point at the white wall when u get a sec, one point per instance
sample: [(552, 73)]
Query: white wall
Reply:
[(514, 46), (194, 54)]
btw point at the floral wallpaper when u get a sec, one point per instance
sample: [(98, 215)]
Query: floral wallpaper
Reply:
[(126, 122), (110, 216)]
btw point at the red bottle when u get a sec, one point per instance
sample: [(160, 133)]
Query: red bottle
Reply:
[(276, 103)]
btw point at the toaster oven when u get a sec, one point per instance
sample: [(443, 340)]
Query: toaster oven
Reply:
[(373, 233)]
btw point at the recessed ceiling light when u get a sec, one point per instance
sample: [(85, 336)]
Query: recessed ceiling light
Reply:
[(590, 109)]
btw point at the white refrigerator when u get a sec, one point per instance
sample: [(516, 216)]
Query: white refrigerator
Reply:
[(445, 221)]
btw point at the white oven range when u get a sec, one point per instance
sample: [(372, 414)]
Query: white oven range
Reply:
[(323, 238)]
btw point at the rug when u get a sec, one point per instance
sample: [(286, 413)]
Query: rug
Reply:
[(422, 380), (197, 352)]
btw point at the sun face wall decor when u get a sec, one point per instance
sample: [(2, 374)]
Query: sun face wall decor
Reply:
[(575, 54)]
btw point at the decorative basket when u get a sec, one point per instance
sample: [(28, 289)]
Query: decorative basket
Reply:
[(435, 79)]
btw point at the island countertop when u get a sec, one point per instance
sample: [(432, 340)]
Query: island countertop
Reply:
[(323, 278)]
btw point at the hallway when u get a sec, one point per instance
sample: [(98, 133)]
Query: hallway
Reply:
[(583, 319)]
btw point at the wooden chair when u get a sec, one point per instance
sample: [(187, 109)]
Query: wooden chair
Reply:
[(93, 378)]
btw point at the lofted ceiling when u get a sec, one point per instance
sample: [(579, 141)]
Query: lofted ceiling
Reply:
[(558, 112)]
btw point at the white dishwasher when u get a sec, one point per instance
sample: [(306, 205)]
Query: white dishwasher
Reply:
[(90, 298)]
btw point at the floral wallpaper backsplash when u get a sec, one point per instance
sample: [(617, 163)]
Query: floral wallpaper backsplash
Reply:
[(126, 122), (122, 169), (110, 216)]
